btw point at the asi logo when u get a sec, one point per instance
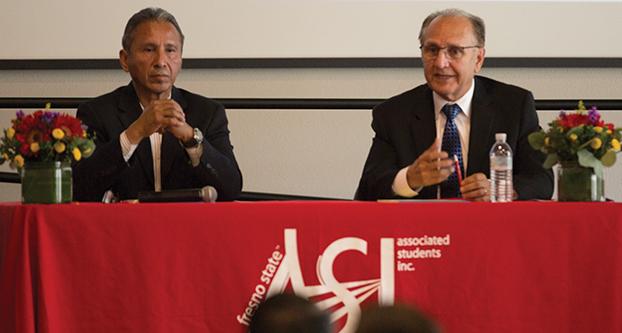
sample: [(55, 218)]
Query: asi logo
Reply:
[(284, 269)]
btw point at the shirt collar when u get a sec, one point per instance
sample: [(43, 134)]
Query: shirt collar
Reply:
[(464, 102)]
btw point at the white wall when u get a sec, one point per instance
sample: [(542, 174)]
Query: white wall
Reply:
[(310, 152), (309, 28)]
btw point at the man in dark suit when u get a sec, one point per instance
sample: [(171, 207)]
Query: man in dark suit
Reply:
[(409, 157), (151, 135)]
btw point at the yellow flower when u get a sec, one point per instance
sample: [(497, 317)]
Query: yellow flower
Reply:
[(598, 129), (5, 157), (58, 134), (19, 161), (34, 147), (10, 132), (596, 143), (547, 140), (573, 137), (609, 132), (77, 155), (615, 145), (59, 147)]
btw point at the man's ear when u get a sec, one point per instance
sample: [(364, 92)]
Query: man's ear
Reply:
[(123, 60), (481, 54)]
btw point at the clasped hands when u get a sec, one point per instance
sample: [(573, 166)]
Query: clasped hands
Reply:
[(159, 116), (434, 166)]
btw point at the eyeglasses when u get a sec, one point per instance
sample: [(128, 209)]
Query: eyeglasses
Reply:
[(452, 52)]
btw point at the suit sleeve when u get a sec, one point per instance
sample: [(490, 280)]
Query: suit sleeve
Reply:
[(381, 165), (531, 180), (218, 166), (93, 176)]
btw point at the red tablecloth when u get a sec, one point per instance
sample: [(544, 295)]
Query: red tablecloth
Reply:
[(519, 267)]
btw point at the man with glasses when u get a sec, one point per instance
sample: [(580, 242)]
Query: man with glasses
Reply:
[(422, 135)]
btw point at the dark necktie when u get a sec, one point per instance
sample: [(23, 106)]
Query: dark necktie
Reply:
[(451, 144)]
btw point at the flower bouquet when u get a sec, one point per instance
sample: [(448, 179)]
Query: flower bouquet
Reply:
[(42, 146), (582, 143)]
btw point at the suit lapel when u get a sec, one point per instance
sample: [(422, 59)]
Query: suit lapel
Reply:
[(482, 118), (423, 124), (422, 128), (170, 145), (129, 106), (145, 158), (129, 111)]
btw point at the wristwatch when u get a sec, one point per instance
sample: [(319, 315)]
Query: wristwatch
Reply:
[(195, 141)]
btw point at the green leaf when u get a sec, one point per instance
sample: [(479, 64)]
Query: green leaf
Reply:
[(598, 170), (609, 158), (536, 139), (576, 130), (550, 161), (588, 160)]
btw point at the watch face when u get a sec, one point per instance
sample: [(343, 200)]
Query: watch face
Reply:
[(197, 138)]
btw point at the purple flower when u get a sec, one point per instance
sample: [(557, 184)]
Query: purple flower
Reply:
[(19, 114), (49, 116), (593, 116)]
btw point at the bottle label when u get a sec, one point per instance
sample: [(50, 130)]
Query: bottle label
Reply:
[(501, 163)]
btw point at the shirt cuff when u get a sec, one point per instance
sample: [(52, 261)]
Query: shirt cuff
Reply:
[(400, 185), (127, 148), (195, 154)]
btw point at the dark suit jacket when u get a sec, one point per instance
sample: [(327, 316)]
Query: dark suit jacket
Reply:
[(405, 127), (109, 115)]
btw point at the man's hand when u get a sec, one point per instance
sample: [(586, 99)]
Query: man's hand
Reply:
[(476, 187), (160, 115), (431, 167)]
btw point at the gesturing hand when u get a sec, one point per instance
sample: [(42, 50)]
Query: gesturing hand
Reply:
[(431, 167)]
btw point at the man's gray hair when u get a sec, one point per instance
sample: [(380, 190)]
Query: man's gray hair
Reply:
[(147, 14), (479, 29)]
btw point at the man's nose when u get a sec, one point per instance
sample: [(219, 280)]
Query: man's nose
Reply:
[(441, 60), (160, 58)]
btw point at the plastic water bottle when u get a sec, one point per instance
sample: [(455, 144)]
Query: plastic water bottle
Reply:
[(501, 189)]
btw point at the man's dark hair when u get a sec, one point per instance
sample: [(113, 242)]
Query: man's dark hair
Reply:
[(395, 319), (288, 313), (147, 14), (479, 28)]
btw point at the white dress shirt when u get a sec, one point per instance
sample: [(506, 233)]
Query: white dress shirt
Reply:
[(463, 122), (127, 148)]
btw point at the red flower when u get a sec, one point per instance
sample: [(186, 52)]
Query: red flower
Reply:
[(33, 128), (35, 136), (24, 149), (20, 138), (572, 120), (70, 125)]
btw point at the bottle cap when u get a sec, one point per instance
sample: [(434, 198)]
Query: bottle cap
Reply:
[(501, 137)]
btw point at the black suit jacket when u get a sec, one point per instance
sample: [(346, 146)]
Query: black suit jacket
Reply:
[(405, 127), (109, 115)]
